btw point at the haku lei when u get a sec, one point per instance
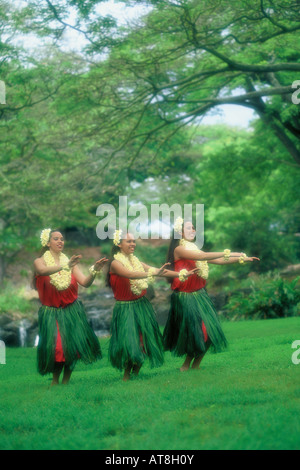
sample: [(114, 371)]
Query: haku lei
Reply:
[(117, 237), (132, 263), (44, 237), (178, 224), (201, 265), (62, 279)]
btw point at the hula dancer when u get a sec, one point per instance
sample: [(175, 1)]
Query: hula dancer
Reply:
[(193, 325), (135, 333), (64, 333)]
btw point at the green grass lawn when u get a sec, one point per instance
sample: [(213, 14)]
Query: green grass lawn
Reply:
[(245, 398)]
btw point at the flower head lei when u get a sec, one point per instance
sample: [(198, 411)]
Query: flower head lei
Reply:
[(178, 224), (117, 237), (45, 236)]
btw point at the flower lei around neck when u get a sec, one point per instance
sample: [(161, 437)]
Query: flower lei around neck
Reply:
[(201, 265), (132, 263), (62, 279)]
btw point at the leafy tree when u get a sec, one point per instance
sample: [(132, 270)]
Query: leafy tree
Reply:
[(79, 127), (187, 57)]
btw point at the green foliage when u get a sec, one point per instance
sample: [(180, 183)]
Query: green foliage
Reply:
[(268, 297), (106, 248), (187, 57), (80, 127), (251, 203), (13, 300), (152, 255)]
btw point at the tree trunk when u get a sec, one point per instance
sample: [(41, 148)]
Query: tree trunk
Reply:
[(271, 121)]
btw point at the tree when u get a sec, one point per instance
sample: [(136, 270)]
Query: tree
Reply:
[(187, 57), (78, 127), (48, 172)]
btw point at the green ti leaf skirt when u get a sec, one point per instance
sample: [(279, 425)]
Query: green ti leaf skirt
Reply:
[(78, 339), (135, 335), (183, 333)]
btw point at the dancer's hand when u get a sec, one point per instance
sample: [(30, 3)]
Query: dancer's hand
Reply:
[(251, 258), (193, 271), (162, 271), (100, 263), (75, 259)]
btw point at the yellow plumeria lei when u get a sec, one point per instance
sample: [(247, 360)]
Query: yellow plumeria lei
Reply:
[(62, 279), (132, 263), (93, 271), (183, 275), (151, 272), (44, 237), (201, 265), (242, 258)]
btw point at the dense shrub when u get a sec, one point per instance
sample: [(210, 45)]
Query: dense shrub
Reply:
[(269, 297)]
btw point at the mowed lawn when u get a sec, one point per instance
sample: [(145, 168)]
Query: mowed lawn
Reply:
[(245, 398)]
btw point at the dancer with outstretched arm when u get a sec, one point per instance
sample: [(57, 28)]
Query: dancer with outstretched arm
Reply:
[(193, 325), (64, 332), (135, 334)]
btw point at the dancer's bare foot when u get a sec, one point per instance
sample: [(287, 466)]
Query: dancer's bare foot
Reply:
[(126, 375), (136, 368), (66, 376), (197, 361), (186, 365), (58, 367)]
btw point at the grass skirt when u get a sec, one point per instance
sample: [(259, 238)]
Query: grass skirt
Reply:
[(135, 335), (78, 339), (183, 332)]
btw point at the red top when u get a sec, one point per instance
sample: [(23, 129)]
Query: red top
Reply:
[(121, 288), (51, 297), (193, 282)]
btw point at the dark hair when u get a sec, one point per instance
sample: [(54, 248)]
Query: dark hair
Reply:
[(170, 256), (41, 253), (115, 249), (173, 244)]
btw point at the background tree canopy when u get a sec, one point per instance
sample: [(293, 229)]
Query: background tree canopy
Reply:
[(117, 110)]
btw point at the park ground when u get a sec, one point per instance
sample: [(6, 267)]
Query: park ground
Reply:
[(246, 398)]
